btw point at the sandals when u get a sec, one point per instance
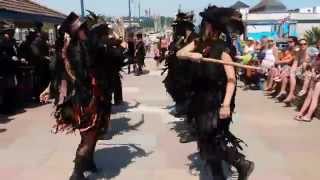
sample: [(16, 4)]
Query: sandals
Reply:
[(267, 89), (298, 117), (302, 118), (289, 101), (302, 93)]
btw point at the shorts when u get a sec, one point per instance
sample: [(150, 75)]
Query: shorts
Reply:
[(266, 65)]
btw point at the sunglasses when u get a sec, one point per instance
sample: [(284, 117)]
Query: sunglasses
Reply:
[(290, 41), (303, 44)]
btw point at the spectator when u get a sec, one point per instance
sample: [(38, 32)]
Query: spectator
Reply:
[(268, 63), (140, 53), (131, 51), (312, 55), (297, 69), (164, 44), (312, 99), (249, 47), (285, 74)]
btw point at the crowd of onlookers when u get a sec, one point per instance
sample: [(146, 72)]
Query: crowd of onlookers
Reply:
[(24, 67), (287, 73)]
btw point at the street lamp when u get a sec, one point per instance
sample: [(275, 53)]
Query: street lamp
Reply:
[(82, 8)]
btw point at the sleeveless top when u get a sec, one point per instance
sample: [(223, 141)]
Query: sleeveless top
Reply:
[(269, 56)]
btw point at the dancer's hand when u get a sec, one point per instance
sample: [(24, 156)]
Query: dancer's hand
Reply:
[(45, 96), (225, 112), (196, 57)]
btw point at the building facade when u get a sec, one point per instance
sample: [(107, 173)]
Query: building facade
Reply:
[(272, 19), (25, 13)]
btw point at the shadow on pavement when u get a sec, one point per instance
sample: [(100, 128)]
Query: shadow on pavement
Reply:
[(3, 130), (145, 72), (124, 107), (4, 119), (112, 160), (121, 125)]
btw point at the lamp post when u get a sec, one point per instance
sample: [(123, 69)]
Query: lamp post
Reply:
[(82, 8), (129, 1)]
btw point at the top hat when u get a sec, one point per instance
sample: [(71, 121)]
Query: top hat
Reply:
[(71, 24), (184, 20), (225, 19)]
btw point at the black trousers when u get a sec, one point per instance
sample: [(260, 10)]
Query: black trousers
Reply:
[(117, 91)]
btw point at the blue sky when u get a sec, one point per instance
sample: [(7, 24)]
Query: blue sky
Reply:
[(163, 7)]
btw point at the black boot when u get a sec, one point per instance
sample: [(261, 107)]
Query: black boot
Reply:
[(245, 168), (187, 137), (91, 166), (216, 171), (79, 169)]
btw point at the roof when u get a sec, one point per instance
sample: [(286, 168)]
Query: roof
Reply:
[(268, 6), (29, 7), (239, 5)]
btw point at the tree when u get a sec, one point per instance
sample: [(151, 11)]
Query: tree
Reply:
[(313, 35)]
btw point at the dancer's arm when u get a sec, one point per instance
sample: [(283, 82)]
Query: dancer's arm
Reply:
[(187, 53), (225, 111)]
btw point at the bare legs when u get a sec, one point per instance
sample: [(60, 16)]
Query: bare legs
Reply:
[(306, 83), (293, 83), (284, 84), (310, 104)]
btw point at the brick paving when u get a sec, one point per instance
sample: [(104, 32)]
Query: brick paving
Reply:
[(143, 143)]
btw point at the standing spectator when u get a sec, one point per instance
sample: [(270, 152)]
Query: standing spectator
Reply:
[(131, 51), (164, 44), (156, 53), (37, 51), (147, 43), (8, 67), (140, 54)]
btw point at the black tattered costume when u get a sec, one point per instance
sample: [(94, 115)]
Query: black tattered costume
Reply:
[(209, 85), (82, 85), (8, 67), (178, 79)]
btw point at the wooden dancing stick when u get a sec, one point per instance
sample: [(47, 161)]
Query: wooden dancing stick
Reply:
[(210, 60)]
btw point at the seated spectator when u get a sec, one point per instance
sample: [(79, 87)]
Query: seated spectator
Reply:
[(249, 47), (268, 63), (297, 69), (312, 99), (287, 63), (312, 55)]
